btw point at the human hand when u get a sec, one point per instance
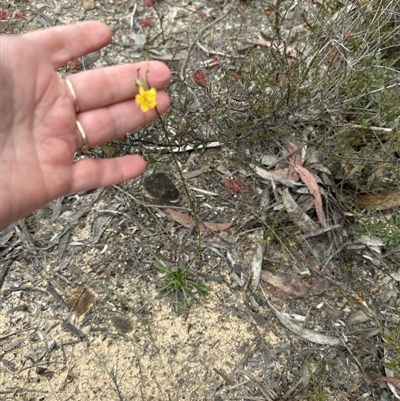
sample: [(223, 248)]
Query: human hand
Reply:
[(38, 132)]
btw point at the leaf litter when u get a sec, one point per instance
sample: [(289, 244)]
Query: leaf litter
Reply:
[(82, 248)]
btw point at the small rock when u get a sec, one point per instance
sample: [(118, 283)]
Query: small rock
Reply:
[(161, 187), (88, 5)]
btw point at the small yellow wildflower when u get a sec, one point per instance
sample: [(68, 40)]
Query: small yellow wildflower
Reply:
[(145, 99)]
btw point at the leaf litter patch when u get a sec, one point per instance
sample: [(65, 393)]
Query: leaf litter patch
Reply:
[(295, 235)]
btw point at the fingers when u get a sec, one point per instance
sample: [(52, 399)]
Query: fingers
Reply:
[(106, 86), (64, 43), (90, 173), (104, 124)]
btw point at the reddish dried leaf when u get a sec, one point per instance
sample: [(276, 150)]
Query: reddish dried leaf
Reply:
[(183, 219), (187, 221), (293, 286), (391, 380), (3, 14), (213, 62), (208, 226), (294, 160), (313, 187), (148, 3), (388, 200)]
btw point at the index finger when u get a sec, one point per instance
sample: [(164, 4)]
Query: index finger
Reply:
[(115, 84), (64, 43)]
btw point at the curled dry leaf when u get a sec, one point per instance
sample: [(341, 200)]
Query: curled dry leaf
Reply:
[(194, 173), (276, 175), (388, 200), (187, 221), (301, 219), (293, 286), (305, 334), (312, 185)]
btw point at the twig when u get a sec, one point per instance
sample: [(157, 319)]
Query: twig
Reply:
[(201, 47), (133, 15), (375, 129), (224, 376), (339, 250), (371, 93)]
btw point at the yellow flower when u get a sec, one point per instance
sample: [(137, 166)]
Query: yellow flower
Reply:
[(146, 99)]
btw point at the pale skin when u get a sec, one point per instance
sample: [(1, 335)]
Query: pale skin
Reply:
[(38, 134)]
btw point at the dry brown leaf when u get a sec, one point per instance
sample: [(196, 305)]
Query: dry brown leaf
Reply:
[(313, 187), (388, 200), (194, 173), (208, 226), (276, 175), (391, 380), (293, 286), (305, 334), (301, 219), (183, 219), (187, 221)]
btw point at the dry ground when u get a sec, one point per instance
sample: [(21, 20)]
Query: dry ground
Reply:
[(80, 315)]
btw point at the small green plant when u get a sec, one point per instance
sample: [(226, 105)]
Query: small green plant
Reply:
[(391, 342), (386, 228), (175, 282)]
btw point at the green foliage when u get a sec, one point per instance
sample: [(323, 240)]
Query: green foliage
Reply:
[(176, 283), (391, 342), (387, 228)]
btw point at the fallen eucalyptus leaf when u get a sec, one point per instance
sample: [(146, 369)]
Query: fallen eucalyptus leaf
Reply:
[(312, 185), (305, 334), (293, 286), (276, 175), (301, 219), (187, 221), (384, 201)]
